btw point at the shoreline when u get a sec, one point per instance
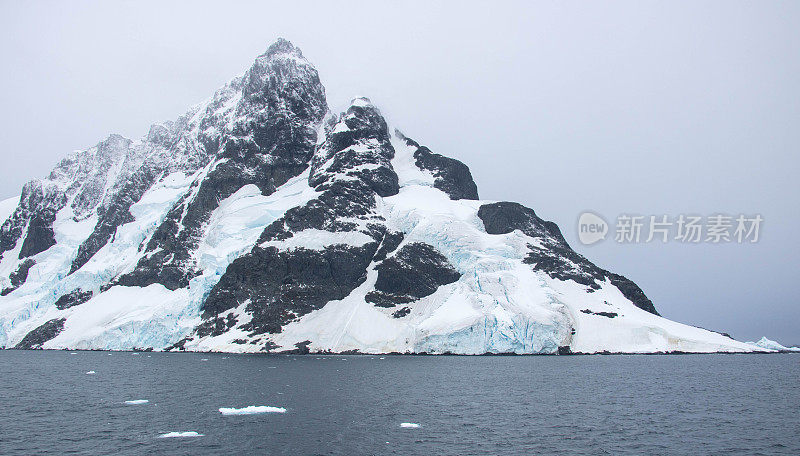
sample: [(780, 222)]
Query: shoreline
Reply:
[(351, 353)]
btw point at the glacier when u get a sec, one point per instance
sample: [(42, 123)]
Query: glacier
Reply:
[(261, 221)]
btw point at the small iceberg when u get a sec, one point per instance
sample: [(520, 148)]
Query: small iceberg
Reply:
[(91, 373), (772, 345), (137, 402), (180, 434), (204, 359), (409, 425), (251, 410)]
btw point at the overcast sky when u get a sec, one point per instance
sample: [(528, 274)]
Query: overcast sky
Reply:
[(623, 107)]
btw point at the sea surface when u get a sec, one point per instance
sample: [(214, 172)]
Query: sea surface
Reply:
[(354, 405)]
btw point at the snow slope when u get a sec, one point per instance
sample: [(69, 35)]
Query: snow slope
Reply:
[(7, 207)]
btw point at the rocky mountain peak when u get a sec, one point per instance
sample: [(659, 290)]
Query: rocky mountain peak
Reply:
[(282, 46), (283, 70)]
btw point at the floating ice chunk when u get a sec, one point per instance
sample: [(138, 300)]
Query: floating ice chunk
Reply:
[(73, 353), (382, 357), (180, 434), (137, 402), (251, 410), (91, 373), (409, 425)]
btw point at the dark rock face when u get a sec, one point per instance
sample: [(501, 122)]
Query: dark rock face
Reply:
[(361, 151), (415, 271), (504, 217), (42, 334), (556, 258), (282, 285), (391, 240), (216, 326), (73, 298), (402, 312), (284, 102), (19, 276), (40, 235), (602, 314), (34, 216), (632, 292), (452, 176)]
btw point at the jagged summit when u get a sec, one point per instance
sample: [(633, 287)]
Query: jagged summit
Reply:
[(282, 46), (261, 221)]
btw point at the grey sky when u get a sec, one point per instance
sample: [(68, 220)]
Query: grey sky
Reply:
[(620, 107)]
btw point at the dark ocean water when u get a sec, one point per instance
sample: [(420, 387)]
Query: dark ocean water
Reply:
[(353, 405)]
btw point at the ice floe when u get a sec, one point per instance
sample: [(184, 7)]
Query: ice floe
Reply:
[(91, 373), (180, 434), (251, 410), (409, 425), (137, 402)]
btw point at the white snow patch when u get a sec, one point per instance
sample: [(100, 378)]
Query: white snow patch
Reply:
[(7, 207), (240, 219), (315, 239), (404, 164), (361, 102)]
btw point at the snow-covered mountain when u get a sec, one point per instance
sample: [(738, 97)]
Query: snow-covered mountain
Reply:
[(261, 221)]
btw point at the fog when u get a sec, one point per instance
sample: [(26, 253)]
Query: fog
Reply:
[(624, 107)]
